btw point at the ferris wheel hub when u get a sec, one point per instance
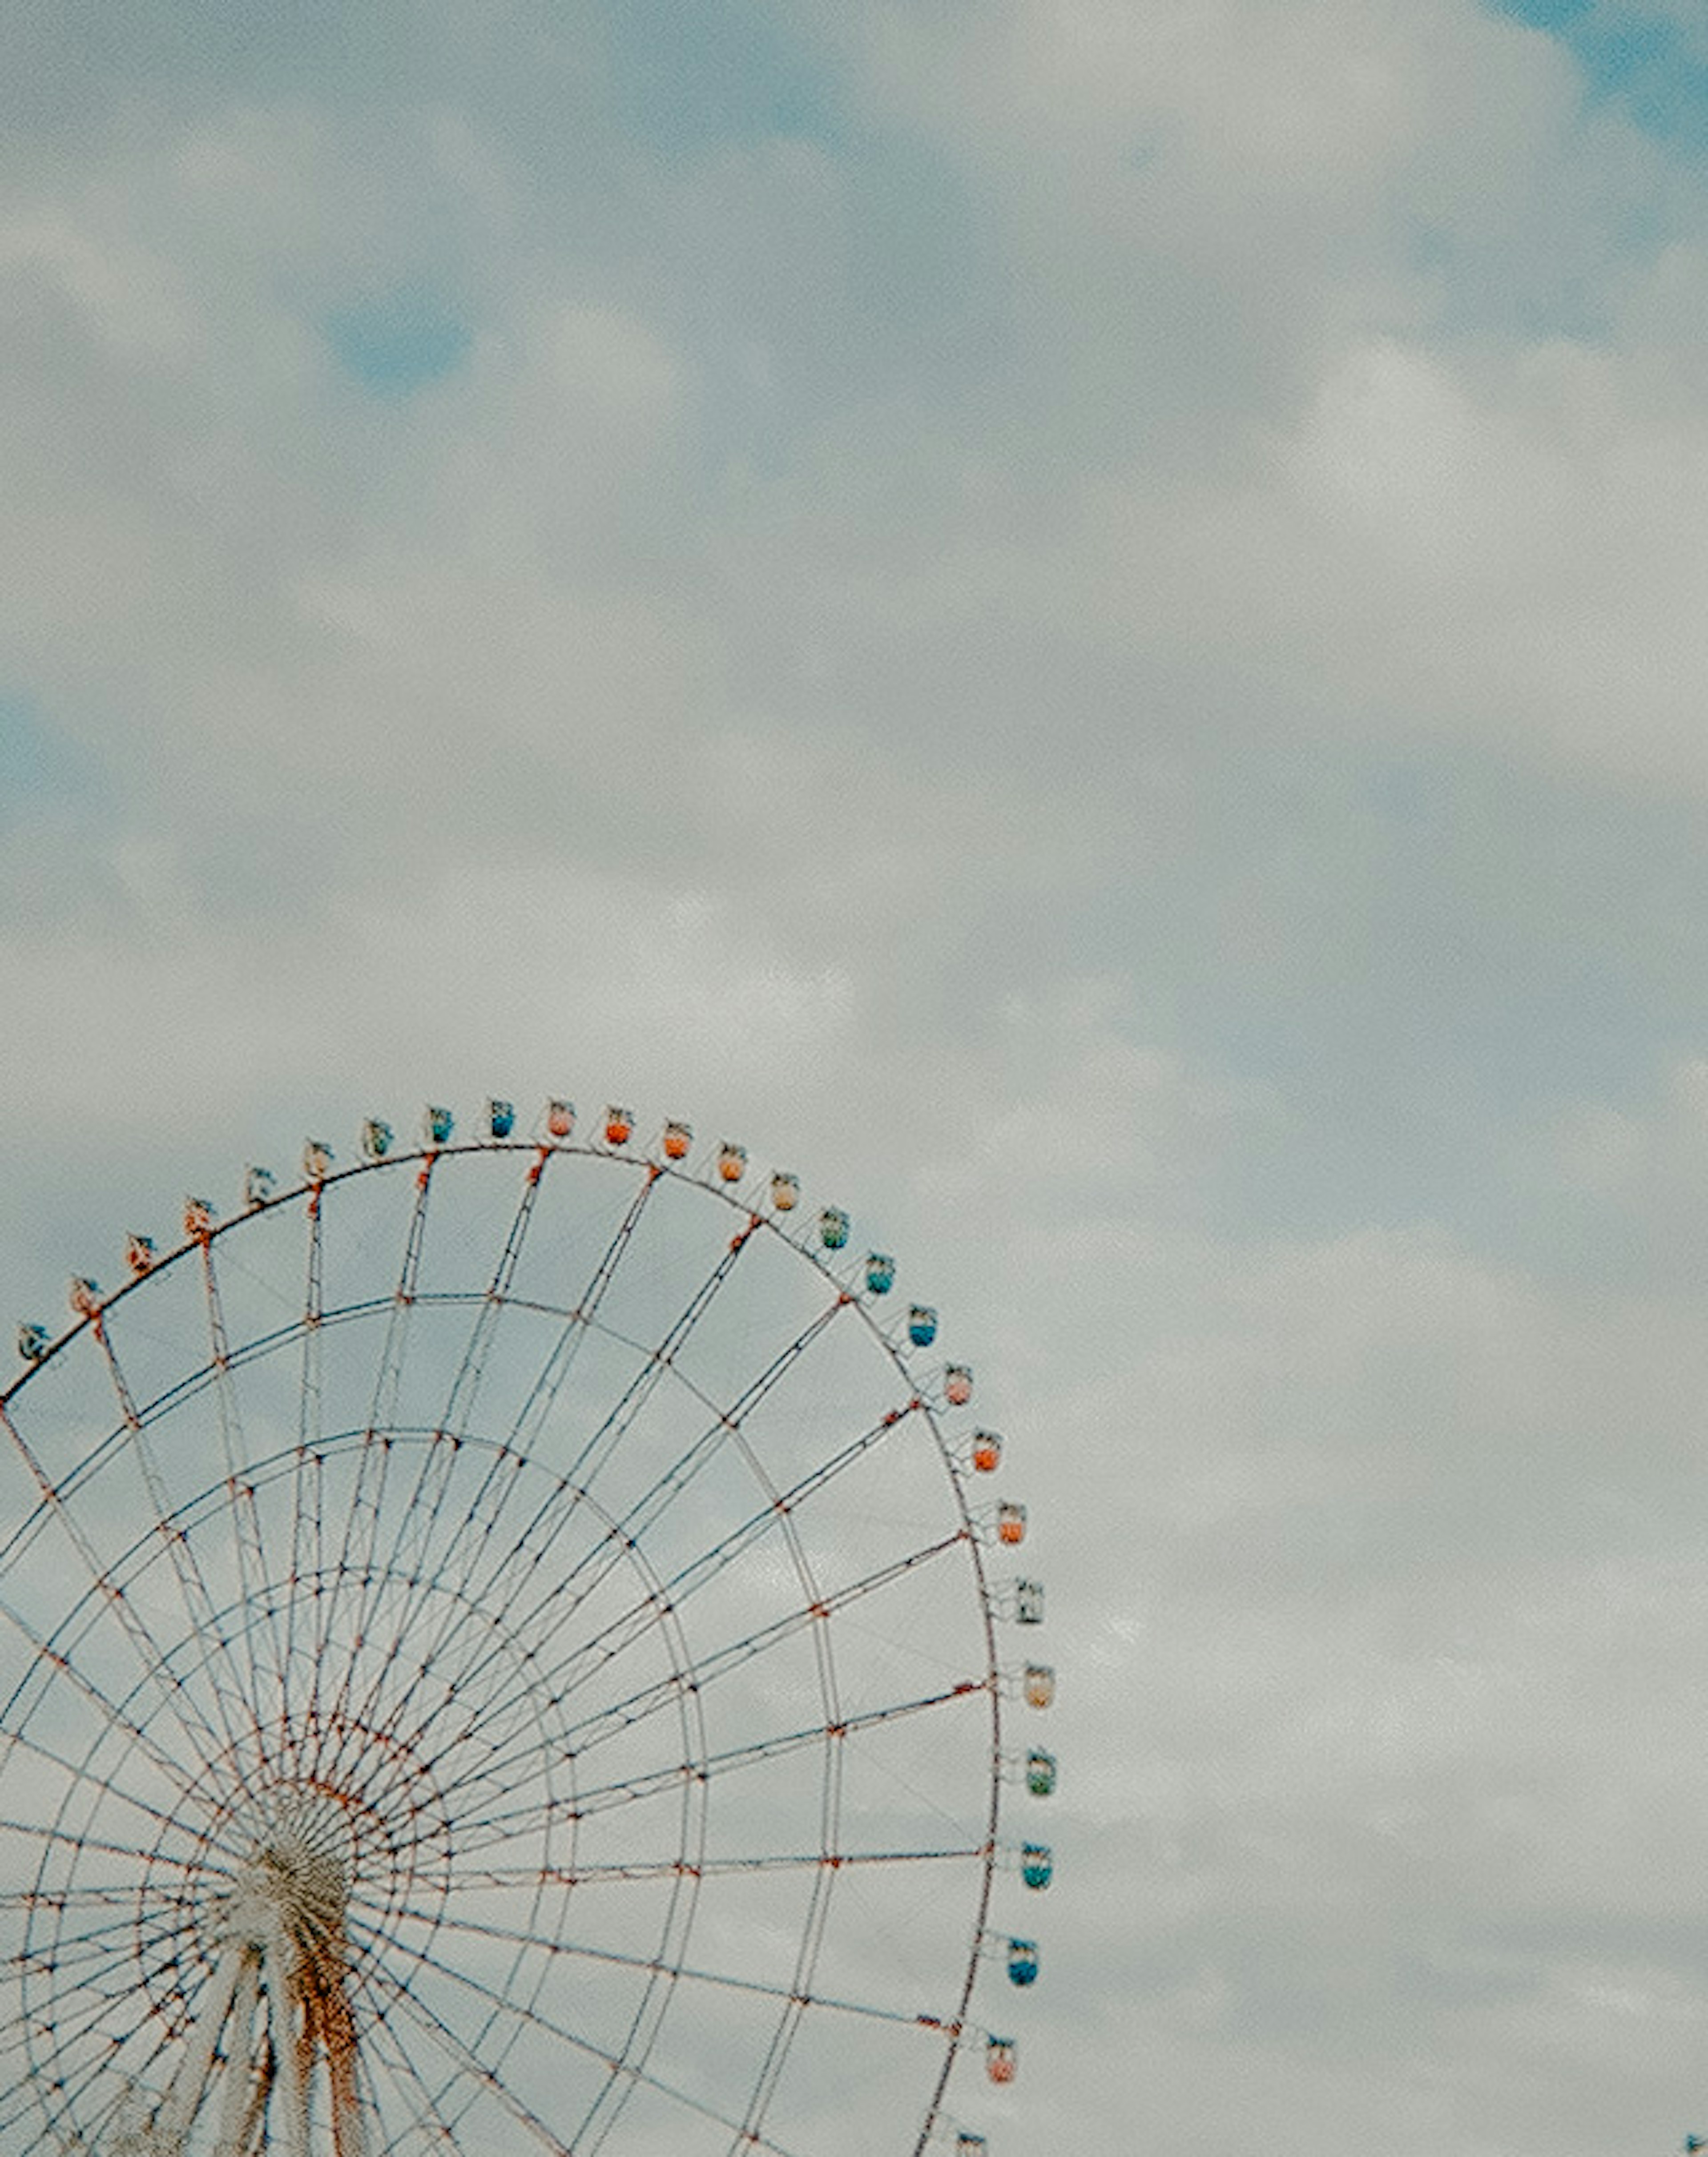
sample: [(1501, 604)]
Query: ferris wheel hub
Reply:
[(297, 1878)]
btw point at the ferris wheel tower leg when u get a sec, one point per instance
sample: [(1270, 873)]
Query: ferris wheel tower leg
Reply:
[(244, 2102), (337, 2036), (290, 2065), (189, 2084)]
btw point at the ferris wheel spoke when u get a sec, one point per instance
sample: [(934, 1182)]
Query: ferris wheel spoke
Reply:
[(503, 1585), (392, 2052), (638, 1622), (251, 1561), (307, 1553), (65, 1982), (68, 1959), (609, 1435), (130, 1903), (463, 1612), (501, 1880), (639, 1706), (467, 1546), (531, 2018), (620, 1418), (387, 1589), (726, 1422), (198, 1603), (361, 1519), (460, 1403), (602, 1797), (419, 1515), (795, 2011), (205, 1742), (88, 2005), (811, 1942), (72, 1898), (542, 1395), (19, 1739), (655, 1502), (69, 1954), (113, 1714), (28, 2097), (451, 2046), (508, 1936)]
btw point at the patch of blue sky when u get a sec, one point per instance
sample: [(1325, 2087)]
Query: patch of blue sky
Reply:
[(688, 76), (37, 769), (1640, 59), (1547, 297), (399, 342)]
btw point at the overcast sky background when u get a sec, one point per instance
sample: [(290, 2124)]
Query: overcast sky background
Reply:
[(1084, 619)]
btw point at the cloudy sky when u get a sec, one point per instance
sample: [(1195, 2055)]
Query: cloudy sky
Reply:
[(1081, 618)]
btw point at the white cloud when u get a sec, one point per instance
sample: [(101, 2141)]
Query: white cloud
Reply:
[(1104, 656)]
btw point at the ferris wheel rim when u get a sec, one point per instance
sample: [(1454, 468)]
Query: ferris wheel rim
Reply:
[(309, 1194)]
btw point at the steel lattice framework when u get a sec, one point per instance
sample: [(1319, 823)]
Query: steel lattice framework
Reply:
[(496, 1652)]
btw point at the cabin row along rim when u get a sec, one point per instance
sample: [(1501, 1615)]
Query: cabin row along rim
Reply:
[(1004, 1523), (726, 1170)]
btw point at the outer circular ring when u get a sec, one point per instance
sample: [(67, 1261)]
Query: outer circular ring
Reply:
[(308, 1194)]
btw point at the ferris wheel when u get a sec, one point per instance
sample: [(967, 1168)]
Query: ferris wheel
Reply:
[(505, 1645)]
